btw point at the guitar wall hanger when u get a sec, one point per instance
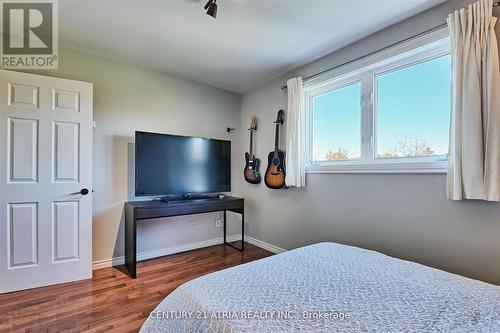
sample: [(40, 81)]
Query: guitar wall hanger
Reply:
[(280, 120)]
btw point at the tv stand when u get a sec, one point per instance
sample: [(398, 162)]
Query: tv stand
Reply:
[(136, 211)]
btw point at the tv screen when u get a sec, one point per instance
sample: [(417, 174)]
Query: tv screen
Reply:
[(173, 164)]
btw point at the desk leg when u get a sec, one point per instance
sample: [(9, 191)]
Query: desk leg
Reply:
[(130, 241), (224, 221), (242, 212), (242, 230)]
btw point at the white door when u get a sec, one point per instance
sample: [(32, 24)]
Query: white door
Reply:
[(45, 163)]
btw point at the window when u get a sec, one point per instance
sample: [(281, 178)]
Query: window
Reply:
[(386, 113), (412, 110), (336, 119)]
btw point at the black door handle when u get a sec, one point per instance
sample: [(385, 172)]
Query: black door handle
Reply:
[(83, 191)]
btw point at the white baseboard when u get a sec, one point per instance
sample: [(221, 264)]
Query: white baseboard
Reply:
[(99, 264), (264, 245)]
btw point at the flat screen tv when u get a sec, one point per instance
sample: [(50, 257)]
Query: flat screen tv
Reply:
[(179, 165)]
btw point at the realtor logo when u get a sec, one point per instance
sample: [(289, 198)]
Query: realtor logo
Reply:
[(29, 34)]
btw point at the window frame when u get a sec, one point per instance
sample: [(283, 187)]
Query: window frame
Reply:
[(420, 49)]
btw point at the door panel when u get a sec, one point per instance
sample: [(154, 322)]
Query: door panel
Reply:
[(23, 234), (45, 160), (22, 95), (66, 138), (66, 230), (22, 154), (66, 100)]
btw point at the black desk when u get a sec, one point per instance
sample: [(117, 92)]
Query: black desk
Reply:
[(142, 210)]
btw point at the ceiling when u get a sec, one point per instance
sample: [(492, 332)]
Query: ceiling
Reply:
[(250, 42)]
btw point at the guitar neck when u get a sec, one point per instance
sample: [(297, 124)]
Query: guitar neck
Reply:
[(276, 137), (251, 143)]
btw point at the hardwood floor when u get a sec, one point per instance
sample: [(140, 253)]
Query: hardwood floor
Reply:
[(112, 301)]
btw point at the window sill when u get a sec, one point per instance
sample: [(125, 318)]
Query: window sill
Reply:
[(379, 167)]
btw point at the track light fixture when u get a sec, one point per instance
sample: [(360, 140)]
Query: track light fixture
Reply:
[(211, 8)]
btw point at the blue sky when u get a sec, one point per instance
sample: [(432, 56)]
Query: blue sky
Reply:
[(413, 102)]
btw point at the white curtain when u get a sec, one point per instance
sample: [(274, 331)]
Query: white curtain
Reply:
[(474, 159), (295, 134)]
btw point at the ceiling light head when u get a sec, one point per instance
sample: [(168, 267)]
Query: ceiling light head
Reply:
[(208, 4), (212, 8)]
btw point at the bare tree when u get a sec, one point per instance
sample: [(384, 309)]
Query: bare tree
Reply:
[(340, 154), (409, 147)]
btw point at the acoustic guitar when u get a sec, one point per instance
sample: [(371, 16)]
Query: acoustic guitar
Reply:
[(252, 174), (275, 172)]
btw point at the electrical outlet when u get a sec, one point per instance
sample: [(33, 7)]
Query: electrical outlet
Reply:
[(218, 223)]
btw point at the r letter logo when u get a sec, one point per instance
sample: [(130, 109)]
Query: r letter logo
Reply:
[(29, 34)]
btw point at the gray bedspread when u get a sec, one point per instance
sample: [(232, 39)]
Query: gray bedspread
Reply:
[(329, 287)]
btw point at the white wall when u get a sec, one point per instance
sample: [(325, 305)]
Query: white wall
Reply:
[(128, 98), (406, 216)]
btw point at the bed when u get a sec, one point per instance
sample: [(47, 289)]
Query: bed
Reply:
[(329, 287)]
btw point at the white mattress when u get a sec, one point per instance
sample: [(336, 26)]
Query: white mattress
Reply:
[(355, 289)]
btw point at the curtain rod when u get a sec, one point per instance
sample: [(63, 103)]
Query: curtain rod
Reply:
[(283, 87)]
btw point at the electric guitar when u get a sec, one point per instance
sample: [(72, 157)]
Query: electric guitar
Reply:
[(275, 173), (252, 174)]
